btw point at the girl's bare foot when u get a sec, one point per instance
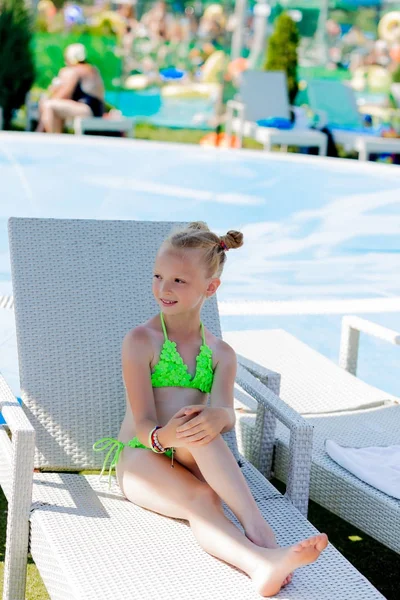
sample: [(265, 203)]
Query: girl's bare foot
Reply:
[(269, 576), (264, 536)]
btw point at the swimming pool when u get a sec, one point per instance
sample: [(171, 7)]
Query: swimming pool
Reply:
[(321, 235), (150, 106)]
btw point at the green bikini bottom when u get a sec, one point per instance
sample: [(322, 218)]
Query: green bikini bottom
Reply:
[(116, 446)]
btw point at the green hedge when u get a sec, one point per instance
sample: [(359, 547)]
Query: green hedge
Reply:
[(49, 56), (16, 61), (282, 52)]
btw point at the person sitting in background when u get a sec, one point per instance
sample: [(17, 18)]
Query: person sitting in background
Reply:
[(157, 21), (77, 91)]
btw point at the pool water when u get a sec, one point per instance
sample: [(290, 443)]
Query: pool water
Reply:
[(321, 235), (149, 106)]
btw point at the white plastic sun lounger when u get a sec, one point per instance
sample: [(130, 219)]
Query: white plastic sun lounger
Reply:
[(336, 104), (340, 407), (122, 125), (79, 286), (263, 95)]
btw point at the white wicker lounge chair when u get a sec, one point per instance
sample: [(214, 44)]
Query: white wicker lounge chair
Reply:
[(340, 407), (263, 95), (79, 285)]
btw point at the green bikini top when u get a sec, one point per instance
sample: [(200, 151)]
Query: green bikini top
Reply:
[(171, 371)]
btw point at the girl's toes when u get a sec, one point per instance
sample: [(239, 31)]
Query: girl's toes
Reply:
[(322, 542), (301, 545), (313, 540), (318, 541), (288, 579)]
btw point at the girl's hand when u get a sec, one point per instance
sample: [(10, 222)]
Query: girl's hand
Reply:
[(204, 425), (167, 434)]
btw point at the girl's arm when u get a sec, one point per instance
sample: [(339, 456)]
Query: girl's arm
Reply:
[(208, 422), (137, 354), (221, 396)]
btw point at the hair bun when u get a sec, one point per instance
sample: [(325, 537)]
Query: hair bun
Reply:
[(232, 239)]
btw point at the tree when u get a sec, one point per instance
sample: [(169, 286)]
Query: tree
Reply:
[(17, 70), (282, 52)]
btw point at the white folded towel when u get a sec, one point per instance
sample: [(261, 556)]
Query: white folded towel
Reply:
[(377, 465)]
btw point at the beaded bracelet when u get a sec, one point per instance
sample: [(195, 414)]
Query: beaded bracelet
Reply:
[(155, 445)]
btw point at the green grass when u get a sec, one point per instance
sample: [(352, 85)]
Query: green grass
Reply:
[(144, 131), (376, 562)]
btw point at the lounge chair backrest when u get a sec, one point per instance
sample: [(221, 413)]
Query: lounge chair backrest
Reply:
[(79, 287), (337, 100), (264, 94)]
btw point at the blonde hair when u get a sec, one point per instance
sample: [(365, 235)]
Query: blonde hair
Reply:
[(198, 235)]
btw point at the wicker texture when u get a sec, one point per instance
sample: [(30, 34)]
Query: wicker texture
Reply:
[(340, 407), (259, 454), (117, 541), (79, 286), (76, 297), (16, 472), (334, 487), (300, 444), (333, 390)]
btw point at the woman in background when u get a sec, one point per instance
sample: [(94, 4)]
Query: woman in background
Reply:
[(77, 91)]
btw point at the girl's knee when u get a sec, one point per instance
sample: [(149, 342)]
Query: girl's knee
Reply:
[(196, 449), (184, 456)]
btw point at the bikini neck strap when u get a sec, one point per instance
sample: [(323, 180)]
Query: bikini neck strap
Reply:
[(163, 326), (203, 335), (165, 329)]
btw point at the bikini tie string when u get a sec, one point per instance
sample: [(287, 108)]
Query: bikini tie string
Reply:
[(114, 446)]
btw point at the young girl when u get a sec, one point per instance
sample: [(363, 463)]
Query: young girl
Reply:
[(170, 364)]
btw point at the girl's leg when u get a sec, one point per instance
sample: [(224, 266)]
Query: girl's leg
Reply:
[(222, 473), (148, 481)]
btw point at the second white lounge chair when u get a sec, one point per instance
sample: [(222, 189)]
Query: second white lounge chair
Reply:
[(339, 406)]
